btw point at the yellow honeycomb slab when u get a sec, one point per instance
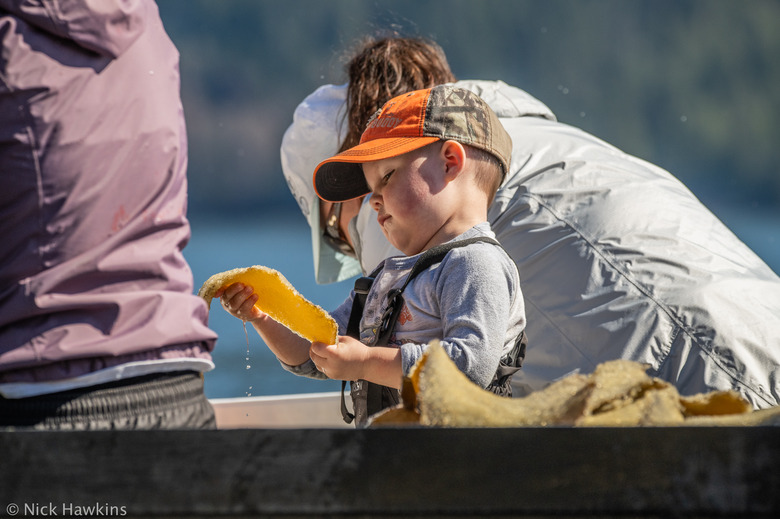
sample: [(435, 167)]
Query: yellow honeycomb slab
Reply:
[(279, 300)]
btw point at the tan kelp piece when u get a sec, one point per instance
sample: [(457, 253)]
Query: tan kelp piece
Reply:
[(278, 299), (618, 393)]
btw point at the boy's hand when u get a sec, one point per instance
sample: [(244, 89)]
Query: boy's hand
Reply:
[(344, 360), (350, 359), (239, 300)]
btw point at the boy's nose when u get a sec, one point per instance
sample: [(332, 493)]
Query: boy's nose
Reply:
[(376, 201)]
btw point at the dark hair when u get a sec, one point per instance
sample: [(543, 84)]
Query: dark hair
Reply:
[(384, 68)]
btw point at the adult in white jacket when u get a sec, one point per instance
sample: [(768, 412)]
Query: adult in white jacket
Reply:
[(617, 258)]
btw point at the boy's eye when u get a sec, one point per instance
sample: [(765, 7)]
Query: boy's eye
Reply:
[(386, 178)]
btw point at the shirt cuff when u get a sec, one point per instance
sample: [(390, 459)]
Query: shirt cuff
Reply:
[(307, 369)]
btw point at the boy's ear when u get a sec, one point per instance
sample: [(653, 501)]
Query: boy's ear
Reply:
[(453, 156)]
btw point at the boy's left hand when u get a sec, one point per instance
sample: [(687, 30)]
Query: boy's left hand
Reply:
[(341, 361)]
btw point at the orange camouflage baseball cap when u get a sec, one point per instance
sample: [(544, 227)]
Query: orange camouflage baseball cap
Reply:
[(409, 122)]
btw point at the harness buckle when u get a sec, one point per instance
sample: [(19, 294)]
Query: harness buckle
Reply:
[(363, 285)]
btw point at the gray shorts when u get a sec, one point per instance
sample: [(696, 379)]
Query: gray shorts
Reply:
[(158, 401)]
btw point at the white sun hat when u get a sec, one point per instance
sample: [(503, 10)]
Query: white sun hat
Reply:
[(314, 135)]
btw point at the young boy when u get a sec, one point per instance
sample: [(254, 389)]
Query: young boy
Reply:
[(432, 160)]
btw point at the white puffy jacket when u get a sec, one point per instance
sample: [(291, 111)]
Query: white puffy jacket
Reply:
[(618, 259)]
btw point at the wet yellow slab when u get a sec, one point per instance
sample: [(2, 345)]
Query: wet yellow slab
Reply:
[(279, 299)]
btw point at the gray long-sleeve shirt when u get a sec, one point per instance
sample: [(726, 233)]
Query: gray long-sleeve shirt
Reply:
[(471, 302)]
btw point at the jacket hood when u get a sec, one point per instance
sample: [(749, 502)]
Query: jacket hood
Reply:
[(107, 27), (507, 101)]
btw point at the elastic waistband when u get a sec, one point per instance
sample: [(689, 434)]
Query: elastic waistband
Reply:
[(71, 368), (150, 393)]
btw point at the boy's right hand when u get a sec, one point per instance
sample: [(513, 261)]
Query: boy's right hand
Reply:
[(239, 300)]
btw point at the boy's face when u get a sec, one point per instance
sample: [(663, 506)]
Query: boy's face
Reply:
[(405, 195)]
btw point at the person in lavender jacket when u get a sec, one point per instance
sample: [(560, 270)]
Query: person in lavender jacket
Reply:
[(99, 326)]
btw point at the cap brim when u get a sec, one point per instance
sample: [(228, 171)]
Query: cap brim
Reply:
[(340, 181), (340, 178)]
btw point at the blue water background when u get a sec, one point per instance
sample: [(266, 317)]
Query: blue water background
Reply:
[(282, 242)]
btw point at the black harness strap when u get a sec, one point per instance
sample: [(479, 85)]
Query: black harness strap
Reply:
[(378, 397), (362, 287)]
